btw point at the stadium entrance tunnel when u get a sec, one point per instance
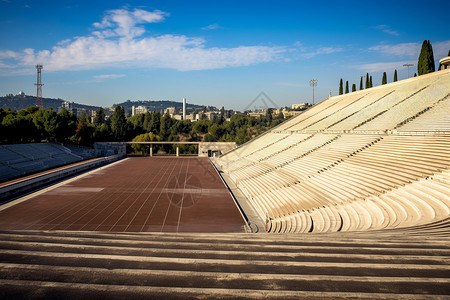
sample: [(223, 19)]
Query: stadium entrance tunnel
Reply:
[(202, 149)]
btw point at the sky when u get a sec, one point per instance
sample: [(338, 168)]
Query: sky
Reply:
[(220, 53)]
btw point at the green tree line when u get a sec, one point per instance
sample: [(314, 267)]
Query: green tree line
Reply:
[(36, 125)]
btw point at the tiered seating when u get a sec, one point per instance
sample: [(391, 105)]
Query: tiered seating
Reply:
[(400, 92), (21, 159), (238, 157), (406, 109), (353, 171), (434, 119), (412, 263)]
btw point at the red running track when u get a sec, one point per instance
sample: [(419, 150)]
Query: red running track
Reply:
[(140, 194)]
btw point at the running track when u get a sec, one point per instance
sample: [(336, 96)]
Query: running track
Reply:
[(140, 194)]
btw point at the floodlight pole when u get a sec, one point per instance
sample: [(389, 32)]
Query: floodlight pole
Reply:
[(408, 65), (313, 83)]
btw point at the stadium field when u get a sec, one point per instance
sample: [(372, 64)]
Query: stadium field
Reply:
[(139, 194)]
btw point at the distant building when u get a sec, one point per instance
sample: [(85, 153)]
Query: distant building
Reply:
[(444, 63), (190, 117), (68, 105), (178, 117), (210, 115), (170, 110), (298, 106), (137, 110), (21, 93)]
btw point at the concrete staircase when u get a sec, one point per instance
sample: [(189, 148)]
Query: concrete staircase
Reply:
[(409, 263)]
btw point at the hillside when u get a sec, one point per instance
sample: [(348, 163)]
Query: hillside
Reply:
[(18, 102)]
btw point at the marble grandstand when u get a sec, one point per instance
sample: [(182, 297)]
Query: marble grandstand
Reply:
[(357, 188), (369, 160)]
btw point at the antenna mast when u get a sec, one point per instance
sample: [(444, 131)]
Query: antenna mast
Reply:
[(38, 84)]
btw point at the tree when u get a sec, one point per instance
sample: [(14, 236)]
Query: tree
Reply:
[(370, 81), (346, 87), (395, 75), (361, 84), (166, 123), (415, 74), (85, 118), (384, 80), (341, 87), (67, 124), (353, 87), (118, 123), (367, 81), (425, 63), (99, 117)]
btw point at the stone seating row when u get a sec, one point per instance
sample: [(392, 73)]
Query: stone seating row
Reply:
[(386, 164), (406, 109), (421, 202)]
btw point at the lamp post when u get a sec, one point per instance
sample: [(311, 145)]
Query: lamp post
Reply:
[(408, 65), (313, 83)]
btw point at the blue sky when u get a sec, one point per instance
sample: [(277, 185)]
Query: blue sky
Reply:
[(221, 53)]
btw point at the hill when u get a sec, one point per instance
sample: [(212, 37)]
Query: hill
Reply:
[(18, 102)]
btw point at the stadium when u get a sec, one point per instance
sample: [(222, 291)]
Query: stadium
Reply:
[(349, 199)]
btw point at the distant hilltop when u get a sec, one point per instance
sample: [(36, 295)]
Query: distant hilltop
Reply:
[(22, 101)]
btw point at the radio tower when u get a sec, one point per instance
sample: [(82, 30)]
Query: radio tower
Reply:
[(38, 84)]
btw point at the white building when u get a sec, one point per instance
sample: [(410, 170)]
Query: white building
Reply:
[(298, 106), (138, 110)]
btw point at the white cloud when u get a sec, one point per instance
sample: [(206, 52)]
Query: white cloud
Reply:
[(403, 49), (440, 49), (211, 27), (320, 51), (119, 42), (384, 66), (309, 52), (387, 29)]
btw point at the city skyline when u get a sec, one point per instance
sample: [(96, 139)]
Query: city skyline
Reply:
[(219, 54)]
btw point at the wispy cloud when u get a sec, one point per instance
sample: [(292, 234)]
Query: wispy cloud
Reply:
[(310, 52), (403, 49), (387, 29), (118, 41), (383, 66), (211, 27), (440, 49), (109, 76)]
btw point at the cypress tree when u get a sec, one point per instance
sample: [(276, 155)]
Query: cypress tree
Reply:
[(353, 87), (346, 87), (395, 75), (370, 81), (448, 53), (425, 63), (367, 81), (415, 74), (341, 87), (384, 80), (360, 85)]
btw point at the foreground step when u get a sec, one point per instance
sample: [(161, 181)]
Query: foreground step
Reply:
[(74, 265)]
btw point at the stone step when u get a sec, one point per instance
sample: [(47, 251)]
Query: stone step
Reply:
[(441, 247), (171, 278), (49, 290), (225, 265), (327, 255)]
